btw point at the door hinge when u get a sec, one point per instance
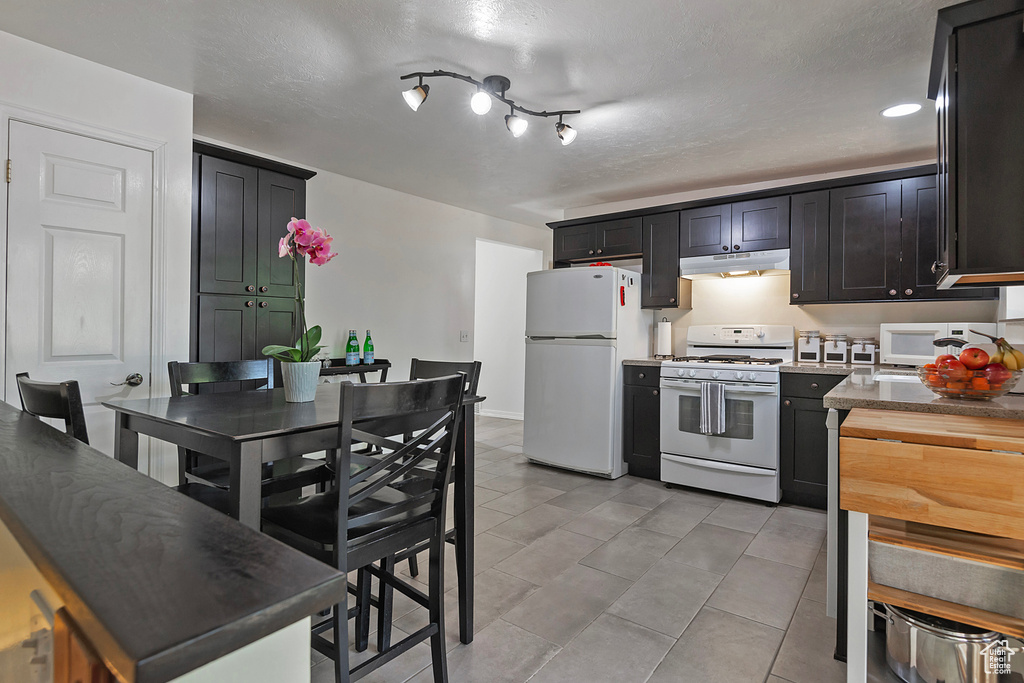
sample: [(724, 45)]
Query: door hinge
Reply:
[(8, 173)]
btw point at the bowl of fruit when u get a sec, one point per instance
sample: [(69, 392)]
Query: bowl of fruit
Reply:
[(975, 374)]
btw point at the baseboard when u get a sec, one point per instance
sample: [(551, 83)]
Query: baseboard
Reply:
[(484, 412)]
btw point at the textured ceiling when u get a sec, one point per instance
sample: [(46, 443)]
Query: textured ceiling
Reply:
[(675, 95)]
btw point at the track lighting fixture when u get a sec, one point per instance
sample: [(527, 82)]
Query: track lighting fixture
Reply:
[(492, 87), (414, 96)]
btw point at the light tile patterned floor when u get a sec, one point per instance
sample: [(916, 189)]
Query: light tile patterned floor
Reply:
[(590, 580)]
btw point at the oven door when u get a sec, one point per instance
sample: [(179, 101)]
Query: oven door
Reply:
[(751, 435)]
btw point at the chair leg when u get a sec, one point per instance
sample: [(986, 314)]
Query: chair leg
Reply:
[(414, 566), (362, 609), (385, 605), (340, 623), (435, 582)]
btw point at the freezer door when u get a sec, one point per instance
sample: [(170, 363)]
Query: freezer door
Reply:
[(571, 409), (572, 302)]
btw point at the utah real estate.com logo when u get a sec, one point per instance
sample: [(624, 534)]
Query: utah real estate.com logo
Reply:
[(997, 657)]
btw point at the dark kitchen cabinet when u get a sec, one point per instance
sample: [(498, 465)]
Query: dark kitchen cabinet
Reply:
[(243, 291), (803, 438), (864, 242), (600, 240), (641, 421), (660, 277), (808, 248), (977, 79), (754, 225)]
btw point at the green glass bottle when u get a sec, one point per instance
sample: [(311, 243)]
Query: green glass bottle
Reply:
[(352, 349), (368, 350)]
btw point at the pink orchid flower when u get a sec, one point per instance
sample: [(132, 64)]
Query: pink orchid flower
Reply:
[(283, 248), (319, 250), (302, 232)]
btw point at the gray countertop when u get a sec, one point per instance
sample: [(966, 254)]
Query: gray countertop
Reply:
[(862, 390), (650, 361), (821, 368)]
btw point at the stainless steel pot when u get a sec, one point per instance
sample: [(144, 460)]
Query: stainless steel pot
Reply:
[(921, 648)]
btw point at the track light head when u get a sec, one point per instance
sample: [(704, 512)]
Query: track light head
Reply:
[(480, 103), (414, 97), (565, 132), (516, 124)]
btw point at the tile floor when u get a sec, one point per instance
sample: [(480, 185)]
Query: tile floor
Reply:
[(590, 580)]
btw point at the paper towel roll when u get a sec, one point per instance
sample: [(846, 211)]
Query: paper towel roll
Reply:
[(664, 345)]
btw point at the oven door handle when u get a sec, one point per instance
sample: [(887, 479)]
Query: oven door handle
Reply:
[(729, 388)]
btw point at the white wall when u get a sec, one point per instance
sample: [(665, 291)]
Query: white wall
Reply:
[(500, 324), (765, 300), (57, 84)]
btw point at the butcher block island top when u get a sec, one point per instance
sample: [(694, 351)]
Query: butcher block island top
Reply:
[(899, 389)]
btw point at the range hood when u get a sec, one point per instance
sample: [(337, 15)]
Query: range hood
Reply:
[(773, 259)]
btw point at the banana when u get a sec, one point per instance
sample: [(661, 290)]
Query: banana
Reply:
[(1010, 361), (1019, 355), (996, 357)]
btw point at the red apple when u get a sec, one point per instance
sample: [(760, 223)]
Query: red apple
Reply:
[(944, 357), (953, 371), (996, 373), (974, 358)]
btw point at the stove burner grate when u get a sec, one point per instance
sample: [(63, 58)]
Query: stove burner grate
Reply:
[(728, 360)]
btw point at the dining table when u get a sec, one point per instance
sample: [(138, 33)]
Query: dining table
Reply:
[(249, 428)]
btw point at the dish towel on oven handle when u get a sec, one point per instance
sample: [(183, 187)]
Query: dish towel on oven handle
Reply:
[(712, 407)]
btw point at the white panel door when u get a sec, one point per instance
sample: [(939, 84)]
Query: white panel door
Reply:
[(79, 231), (570, 414), (572, 302)]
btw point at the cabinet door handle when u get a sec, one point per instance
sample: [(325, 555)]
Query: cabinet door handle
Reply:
[(642, 375), (736, 247), (796, 295), (814, 385), (908, 291), (250, 304), (591, 252), (725, 247), (263, 288), (654, 393), (263, 304), (672, 300), (250, 288), (893, 292), (600, 251), (787, 402)]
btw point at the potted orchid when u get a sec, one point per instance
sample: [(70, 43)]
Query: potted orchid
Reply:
[(298, 369)]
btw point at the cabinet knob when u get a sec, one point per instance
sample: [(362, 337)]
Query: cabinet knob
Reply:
[(787, 402), (672, 300), (263, 288), (600, 251), (654, 393), (725, 247), (250, 304), (796, 295), (263, 304), (892, 292), (250, 288), (591, 252), (908, 291), (736, 247), (814, 385), (642, 375)]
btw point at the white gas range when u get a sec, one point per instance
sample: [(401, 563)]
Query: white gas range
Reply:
[(740, 456)]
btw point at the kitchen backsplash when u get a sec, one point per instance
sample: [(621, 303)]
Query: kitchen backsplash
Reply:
[(765, 300)]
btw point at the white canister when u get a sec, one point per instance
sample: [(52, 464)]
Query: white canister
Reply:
[(864, 351), (808, 348), (836, 346)]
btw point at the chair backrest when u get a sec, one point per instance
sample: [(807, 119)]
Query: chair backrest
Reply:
[(428, 369), (59, 400), (414, 425), (228, 375)]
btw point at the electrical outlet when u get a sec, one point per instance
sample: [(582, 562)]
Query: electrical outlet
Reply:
[(464, 336)]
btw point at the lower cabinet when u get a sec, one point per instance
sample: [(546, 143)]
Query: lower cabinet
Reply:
[(641, 421), (803, 438), (238, 327)]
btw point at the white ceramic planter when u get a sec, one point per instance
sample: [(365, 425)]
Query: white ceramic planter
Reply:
[(300, 380)]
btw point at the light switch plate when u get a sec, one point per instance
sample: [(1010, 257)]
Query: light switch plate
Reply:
[(464, 336)]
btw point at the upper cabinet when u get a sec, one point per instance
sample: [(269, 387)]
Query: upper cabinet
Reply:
[(599, 240), (662, 286), (754, 225), (864, 242), (808, 248), (977, 80)]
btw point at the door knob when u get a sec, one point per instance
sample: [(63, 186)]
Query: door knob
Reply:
[(132, 380), (600, 251), (725, 247), (787, 402), (908, 291), (263, 288), (892, 292), (642, 375), (736, 247), (250, 288), (250, 304), (591, 252), (796, 295), (263, 304), (655, 392), (814, 385)]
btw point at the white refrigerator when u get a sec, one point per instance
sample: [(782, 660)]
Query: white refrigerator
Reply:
[(581, 323)]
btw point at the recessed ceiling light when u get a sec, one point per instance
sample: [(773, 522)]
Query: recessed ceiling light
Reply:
[(901, 110)]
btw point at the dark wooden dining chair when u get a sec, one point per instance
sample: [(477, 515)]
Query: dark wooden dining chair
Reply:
[(412, 426), (57, 400), (198, 473)]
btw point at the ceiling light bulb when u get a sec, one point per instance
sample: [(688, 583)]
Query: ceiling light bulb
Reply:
[(480, 103), (901, 110), (414, 96), (516, 125), (566, 133)]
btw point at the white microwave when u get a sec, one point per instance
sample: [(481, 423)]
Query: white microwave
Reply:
[(912, 343)]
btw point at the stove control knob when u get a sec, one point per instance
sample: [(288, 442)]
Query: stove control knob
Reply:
[(715, 374), (739, 375), (693, 373), (752, 376), (681, 373)]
